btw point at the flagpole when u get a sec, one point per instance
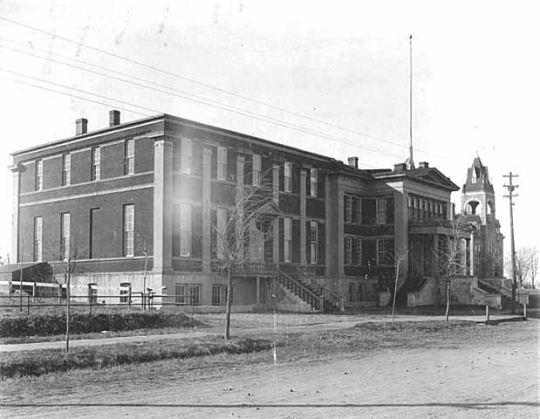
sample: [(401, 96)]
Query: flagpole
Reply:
[(411, 160)]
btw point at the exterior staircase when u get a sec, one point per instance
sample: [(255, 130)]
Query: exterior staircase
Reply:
[(506, 302), (311, 294)]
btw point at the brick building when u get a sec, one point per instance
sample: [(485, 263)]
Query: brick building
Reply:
[(137, 205)]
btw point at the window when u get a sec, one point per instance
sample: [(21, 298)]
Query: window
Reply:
[(129, 230), (256, 174), (381, 210), (348, 250), (313, 182), (357, 210), (93, 214), (358, 242), (348, 208), (38, 239), (129, 157), (218, 295), (222, 163), (287, 184), (66, 169), (186, 154), (369, 211), (221, 229), (92, 293), (96, 163), (180, 293), (194, 294), (65, 221), (185, 229), (125, 292), (39, 175), (313, 241), (287, 239), (382, 251)]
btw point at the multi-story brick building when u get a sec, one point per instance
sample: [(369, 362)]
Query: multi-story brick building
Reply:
[(137, 205)]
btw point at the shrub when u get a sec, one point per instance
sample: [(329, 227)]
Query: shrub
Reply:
[(35, 363), (55, 324)]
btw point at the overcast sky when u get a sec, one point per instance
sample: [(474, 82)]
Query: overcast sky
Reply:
[(331, 77)]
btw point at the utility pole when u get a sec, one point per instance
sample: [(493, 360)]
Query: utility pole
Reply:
[(511, 188)]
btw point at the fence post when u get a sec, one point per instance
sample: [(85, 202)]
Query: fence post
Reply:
[(341, 304), (487, 314), (524, 311), (321, 303), (59, 293), (28, 305), (34, 291)]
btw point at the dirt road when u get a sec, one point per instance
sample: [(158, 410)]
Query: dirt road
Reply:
[(495, 376)]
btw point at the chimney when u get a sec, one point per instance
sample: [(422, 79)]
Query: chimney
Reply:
[(400, 167), (114, 118), (423, 165), (353, 162), (81, 126)]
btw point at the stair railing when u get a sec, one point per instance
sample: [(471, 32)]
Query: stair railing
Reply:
[(334, 298), (301, 290)]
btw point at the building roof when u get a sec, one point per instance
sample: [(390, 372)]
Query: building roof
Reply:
[(477, 178)]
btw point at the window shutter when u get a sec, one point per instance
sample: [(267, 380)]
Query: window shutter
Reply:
[(281, 239), (308, 242), (213, 234), (213, 164), (196, 159), (322, 244), (231, 165)]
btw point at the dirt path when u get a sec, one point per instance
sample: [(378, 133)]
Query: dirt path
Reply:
[(258, 325), (495, 376)]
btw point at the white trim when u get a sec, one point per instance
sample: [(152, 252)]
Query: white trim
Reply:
[(86, 183), (67, 198), (100, 133)]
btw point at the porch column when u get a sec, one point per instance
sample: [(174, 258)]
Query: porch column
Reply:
[(163, 190), (240, 160), (471, 256), (436, 265), (302, 216), (207, 203), (275, 225), (16, 169), (258, 289)]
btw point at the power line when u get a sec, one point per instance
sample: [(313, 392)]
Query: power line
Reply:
[(203, 101), (283, 124), (197, 82), (75, 89)]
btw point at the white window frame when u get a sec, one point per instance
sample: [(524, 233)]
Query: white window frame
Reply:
[(256, 170), (348, 250), (381, 210), (96, 163), (185, 224), (287, 177), (65, 235), (186, 156), (358, 250), (313, 182), (287, 239), (129, 157), (128, 239), (39, 175), (313, 242), (66, 169), (347, 202), (222, 163), (38, 239), (221, 231), (382, 250)]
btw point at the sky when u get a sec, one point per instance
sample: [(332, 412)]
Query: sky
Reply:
[(330, 77)]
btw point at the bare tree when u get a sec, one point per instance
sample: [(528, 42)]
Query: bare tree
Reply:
[(452, 257), (526, 264), (398, 260), (251, 212)]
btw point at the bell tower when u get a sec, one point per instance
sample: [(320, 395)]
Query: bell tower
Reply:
[(478, 196)]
